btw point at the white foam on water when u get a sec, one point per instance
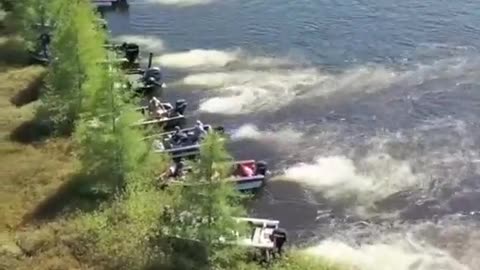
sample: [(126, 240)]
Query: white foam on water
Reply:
[(401, 254), (359, 79), (460, 237), (146, 43), (284, 80), (269, 79), (237, 102), (339, 178), (181, 3), (284, 136), (254, 90), (197, 58), (451, 243), (277, 87), (207, 59)]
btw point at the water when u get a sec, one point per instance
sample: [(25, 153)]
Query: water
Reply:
[(367, 112)]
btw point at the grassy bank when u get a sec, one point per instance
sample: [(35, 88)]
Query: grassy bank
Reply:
[(32, 171)]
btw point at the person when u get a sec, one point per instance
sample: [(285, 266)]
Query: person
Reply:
[(176, 170), (198, 131), (156, 108), (178, 136), (44, 45), (246, 170)]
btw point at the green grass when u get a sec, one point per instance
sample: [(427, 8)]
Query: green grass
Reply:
[(297, 260), (31, 172), (28, 172)]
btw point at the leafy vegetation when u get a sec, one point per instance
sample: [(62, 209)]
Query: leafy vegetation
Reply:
[(131, 227), (210, 218)]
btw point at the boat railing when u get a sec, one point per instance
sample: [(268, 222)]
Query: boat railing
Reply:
[(179, 149), (159, 121), (165, 134), (245, 178)]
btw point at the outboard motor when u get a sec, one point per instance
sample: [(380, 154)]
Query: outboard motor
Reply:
[(279, 236), (261, 168), (180, 106), (219, 129), (132, 51), (154, 73), (152, 81)]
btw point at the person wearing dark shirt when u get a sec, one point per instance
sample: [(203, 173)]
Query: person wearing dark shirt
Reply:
[(178, 136)]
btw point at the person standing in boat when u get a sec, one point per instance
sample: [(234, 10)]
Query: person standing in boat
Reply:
[(198, 131), (156, 108), (178, 136)]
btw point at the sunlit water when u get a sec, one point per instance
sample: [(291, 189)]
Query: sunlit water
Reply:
[(367, 112)]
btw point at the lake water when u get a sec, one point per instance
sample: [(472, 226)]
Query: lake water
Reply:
[(366, 111)]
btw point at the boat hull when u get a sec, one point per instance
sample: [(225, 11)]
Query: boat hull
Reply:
[(37, 58), (242, 184), (109, 3), (254, 183), (137, 87), (181, 152)]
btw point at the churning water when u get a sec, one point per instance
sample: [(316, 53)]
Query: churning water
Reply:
[(367, 112)]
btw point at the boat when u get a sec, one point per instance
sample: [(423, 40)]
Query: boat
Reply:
[(188, 130), (109, 3), (185, 146), (172, 117), (127, 55), (253, 181), (145, 82), (262, 235), (41, 53), (244, 181)]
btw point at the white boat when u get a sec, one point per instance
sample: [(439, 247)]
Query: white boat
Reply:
[(262, 233)]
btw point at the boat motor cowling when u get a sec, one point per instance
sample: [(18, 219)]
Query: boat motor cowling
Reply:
[(154, 73), (180, 106), (132, 51), (279, 237), (261, 168), (219, 129)]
